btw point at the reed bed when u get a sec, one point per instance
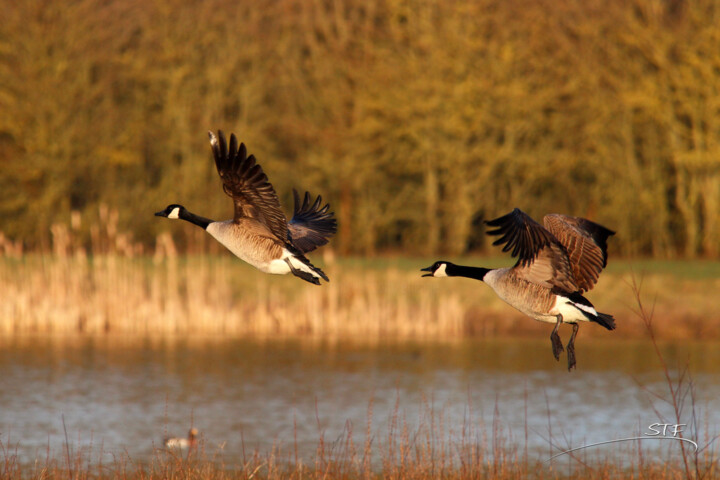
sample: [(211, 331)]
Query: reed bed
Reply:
[(116, 288), (211, 296)]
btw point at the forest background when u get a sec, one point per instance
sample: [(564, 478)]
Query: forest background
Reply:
[(415, 119)]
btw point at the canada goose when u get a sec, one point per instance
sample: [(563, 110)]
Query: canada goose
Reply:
[(259, 233), (182, 443), (556, 264)]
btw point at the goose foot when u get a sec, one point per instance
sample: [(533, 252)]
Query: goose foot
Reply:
[(571, 347), (557, 346)]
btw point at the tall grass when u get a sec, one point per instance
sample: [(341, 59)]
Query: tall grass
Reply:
[(700, 462), (113, 286), (430, 449)]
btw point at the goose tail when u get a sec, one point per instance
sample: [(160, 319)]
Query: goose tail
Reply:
[(304, 269), (607, 321)]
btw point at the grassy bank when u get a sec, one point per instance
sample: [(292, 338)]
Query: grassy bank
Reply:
[(380, 298)]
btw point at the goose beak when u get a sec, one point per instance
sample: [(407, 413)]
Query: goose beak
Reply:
[(427, 269), (161, 214)]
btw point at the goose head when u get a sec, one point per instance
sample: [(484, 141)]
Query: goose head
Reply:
[(173, 211), (437, 269)]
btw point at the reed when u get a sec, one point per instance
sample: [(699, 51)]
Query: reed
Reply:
[(428, 449), (114, 287)]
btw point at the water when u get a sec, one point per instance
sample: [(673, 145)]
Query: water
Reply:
[(120, 398)]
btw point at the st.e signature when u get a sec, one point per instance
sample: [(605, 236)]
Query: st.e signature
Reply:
[(658, 431)]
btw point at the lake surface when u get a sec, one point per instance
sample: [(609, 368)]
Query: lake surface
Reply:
[(120, 398)]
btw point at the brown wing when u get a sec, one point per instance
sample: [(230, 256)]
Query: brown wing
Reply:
[(586, 245), (541, 258), (244, 180), (311, 225)]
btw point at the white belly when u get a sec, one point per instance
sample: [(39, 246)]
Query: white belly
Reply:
[(280, 266), (277, 267), (571, 311)]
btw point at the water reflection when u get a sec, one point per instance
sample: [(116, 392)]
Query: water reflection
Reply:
[(123, 397)]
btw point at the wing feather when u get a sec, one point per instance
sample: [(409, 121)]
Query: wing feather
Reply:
[(311, 225), (244, 180), (586, 245), (542, 259)]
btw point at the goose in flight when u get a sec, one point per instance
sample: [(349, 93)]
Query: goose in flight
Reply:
[(259, 233), (556, 264)]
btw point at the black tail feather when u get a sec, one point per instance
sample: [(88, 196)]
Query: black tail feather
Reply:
[(304, 275), (607, 321)]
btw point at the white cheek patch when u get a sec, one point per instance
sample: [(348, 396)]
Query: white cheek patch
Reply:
[(440, 272), (174, 214)]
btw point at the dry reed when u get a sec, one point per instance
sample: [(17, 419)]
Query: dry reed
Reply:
[(116, 288)]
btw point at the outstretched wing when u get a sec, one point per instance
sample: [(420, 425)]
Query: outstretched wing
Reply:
[(585, 243), (244, 180), (541, 258), (311, 225)]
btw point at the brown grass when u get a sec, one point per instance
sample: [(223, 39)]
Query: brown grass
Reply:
[(119, 290), (432, 450)]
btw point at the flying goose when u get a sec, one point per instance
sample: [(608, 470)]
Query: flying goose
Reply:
[(259, 233), (556, 265), (182, 443)]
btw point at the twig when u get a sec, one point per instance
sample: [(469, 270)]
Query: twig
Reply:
[(67, 447)]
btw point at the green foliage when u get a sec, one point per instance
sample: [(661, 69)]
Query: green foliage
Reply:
[(415, 119)]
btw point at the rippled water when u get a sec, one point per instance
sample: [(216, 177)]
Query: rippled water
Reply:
[(121, 398)]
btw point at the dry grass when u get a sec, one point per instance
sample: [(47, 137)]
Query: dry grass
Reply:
[(431, 450), (214, 296), (118, 290)]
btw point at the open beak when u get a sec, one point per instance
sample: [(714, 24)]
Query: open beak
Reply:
[(427, 269)]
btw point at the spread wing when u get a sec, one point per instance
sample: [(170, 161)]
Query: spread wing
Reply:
[(311, 225), (585, 243), (541, 257), (244, 180)]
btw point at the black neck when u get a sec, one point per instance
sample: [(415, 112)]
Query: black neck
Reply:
[(478, 273), (201, 222)]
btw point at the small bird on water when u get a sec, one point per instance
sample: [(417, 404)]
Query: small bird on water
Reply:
[(182, 443)]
